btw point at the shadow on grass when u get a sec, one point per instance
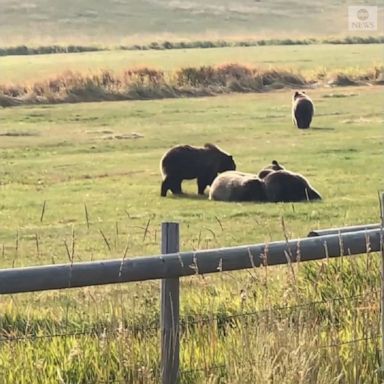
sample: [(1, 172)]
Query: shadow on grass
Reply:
[(322, 129), (191, 196)]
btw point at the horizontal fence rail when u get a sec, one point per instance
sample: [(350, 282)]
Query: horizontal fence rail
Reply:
[(334, 231), (187, 263)]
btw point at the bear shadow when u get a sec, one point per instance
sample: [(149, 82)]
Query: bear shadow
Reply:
[(322, 129), (191, 196)]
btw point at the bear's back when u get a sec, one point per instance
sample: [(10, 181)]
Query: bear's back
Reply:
[(181, 159), (236, 186)]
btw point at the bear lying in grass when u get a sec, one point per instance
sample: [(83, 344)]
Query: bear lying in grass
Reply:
[(302, 110), (276, 186), (285, 186), (185, 162), (237, 186)]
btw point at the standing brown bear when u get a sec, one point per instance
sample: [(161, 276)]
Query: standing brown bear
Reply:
[(302, 110), (185, 162)]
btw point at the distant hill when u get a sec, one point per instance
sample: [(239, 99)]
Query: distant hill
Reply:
[(121, 21)]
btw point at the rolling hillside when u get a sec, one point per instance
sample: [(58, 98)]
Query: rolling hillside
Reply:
[(121, 21)]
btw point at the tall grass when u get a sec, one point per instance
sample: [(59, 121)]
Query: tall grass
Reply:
[(146, 83), (22, 50)]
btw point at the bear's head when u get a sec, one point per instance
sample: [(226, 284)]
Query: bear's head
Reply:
[(299, 94), (225, 161), (276, 166)]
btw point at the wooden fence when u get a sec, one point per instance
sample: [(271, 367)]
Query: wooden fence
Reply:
[(172, 264)]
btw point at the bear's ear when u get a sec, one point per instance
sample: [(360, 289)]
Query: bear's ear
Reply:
[(211, 146)]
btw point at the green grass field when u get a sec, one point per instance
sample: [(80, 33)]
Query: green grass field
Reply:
[(19, 69), (66, 156), (115, 21)]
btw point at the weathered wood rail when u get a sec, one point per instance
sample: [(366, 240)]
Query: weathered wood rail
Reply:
[(179, 264)]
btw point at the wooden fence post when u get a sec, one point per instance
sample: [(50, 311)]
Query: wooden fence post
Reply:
[(169, 311)]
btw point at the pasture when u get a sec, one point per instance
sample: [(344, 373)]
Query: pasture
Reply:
[(310, 60), (71, 154), (81, 182), (116, 21)]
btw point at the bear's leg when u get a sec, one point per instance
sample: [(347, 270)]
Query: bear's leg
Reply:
[(311, 194), (300, 123), (201, 185), (303, 122), (175, 186), (164, 187)]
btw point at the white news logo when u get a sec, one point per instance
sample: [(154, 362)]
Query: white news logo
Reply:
[(362, 18)]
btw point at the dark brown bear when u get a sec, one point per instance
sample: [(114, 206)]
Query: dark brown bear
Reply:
[(184, 162), (275, 166), (302, 110), (237, 186), (285, 186)]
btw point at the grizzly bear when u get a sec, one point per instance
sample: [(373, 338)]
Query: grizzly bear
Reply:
[(302, 110), (275, 166), (185, 162), (285, 186), (237, 186)]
